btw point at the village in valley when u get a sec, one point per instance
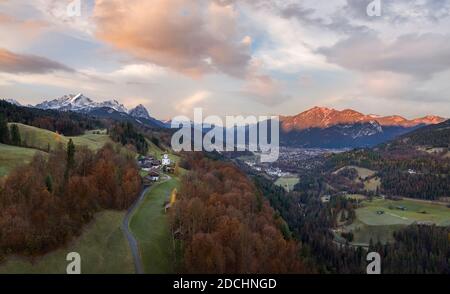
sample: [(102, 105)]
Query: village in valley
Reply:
[(154, 171)]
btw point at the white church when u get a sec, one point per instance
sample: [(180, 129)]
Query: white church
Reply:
[(165, 160)]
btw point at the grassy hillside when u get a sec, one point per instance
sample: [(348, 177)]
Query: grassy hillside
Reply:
[(12, 156), (42, 139), (102, 246), (150, 226)]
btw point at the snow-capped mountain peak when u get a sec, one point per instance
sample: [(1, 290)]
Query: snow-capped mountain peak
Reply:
[(81, 100), (139, 112), (68, 102), (13, 101), (80, 103), (114, 104)]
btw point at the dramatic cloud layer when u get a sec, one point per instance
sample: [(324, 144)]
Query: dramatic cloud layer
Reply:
[(265, 90), (18, 63), (192, 37), (231, 56), (418, 55)]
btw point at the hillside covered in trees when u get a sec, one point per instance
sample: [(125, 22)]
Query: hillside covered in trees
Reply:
[(46, 203), (433, 136), (225, 225), (416, 165), (416, 249), (125, 133), (403, 172)]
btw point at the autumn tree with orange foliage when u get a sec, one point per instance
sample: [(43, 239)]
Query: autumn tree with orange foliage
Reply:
[(46, 203), (225, 225)]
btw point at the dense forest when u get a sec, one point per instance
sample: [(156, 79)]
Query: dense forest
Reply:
[(311, 220), (126, 134), (416, 249), (226, 226), (67, 123), (46, 203)]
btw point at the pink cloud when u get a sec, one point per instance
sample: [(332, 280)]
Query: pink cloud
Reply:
[(191, 37)]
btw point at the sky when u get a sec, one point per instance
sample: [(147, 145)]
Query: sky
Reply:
[(230, 57)]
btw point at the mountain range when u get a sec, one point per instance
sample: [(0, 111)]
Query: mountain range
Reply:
[(322, 117), (106, 109), (317, 127), (329, 128), (79, 103)]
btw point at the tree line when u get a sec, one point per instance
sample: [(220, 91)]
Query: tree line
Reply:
[(9, 135), (67, 123)]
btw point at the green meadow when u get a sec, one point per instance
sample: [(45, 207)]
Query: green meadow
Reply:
[(415, 211), (12, 157), (102, 246), (149, 224), (43, 139)]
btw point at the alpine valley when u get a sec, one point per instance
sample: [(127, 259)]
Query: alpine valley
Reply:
[(318, 127)]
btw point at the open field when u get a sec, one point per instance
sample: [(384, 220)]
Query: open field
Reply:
[(91, 140), (362, 172), (414, 212), (358, 197), (102, 246), (372, 184), (150, 226), (43, 139), (380, 227), (12, 156), (363, 233), (287, 183)]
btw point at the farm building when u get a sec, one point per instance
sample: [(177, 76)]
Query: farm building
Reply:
[(169, 169), (325, 198), (152, 176), (148, 163)]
